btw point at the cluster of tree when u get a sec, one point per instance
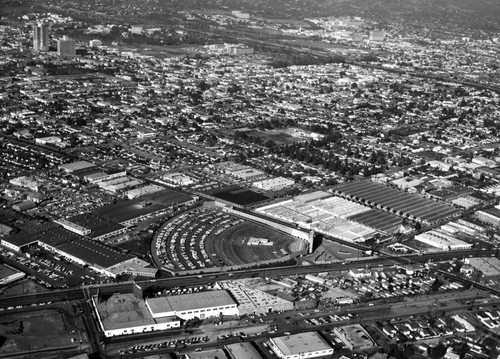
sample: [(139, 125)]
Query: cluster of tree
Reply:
[(491, 123), (328, 160), (303, 59)]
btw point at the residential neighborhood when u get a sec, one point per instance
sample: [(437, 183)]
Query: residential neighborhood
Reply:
[(232, 179)]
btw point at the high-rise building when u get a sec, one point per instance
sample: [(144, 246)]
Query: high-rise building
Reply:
[(66, 47), (41, 37)]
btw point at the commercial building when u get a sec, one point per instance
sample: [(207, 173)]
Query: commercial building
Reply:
[(118, 184), (142, 191), (178, 179), (188, 306), (123, 314), (71, 246), (355, 337), (240, 171), (488, 266), (9, 275), (489, 216), (243, 350), (134, 266), (302, 345), (76, 166), (73, 227), (40, 37), (66, 47), (100, 176), (48, 140), (440, 239), (26, 182), (207, 354), (248, 174), (274, 184), (92, 226), (130, 212), (252, 300)]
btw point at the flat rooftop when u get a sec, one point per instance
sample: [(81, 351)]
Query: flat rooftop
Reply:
[(123, 211), (98, 225), (49, 233), (124, 311), (76, 166), (193, 301), (94, 252), (6, 271), (57, 237), (356, 334), (243, 350), (168, 198), (208, 354), (301, 343)]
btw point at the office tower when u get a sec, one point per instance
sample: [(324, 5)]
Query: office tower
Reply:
[(66, 47), (40, 37)]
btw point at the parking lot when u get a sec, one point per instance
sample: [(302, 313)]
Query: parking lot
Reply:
[(205, 238)]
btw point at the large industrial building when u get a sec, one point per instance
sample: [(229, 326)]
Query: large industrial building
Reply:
[(128, 313), (74, 248), (129, 212), (188, 306), (301, 345), (123, 314), (490, 216), (326, 214), (92, 226), (442, 240), (253, 301)]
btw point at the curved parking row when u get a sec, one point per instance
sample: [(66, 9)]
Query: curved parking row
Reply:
[(181, 242), (205, 238)]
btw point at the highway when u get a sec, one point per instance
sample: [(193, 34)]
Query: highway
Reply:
[(198, 280)]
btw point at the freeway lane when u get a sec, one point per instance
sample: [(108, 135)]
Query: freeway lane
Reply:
[(199, 280)]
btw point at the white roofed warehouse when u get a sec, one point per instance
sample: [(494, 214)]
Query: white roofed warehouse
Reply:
[(301, 345), (123, 314), (188, 306)]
